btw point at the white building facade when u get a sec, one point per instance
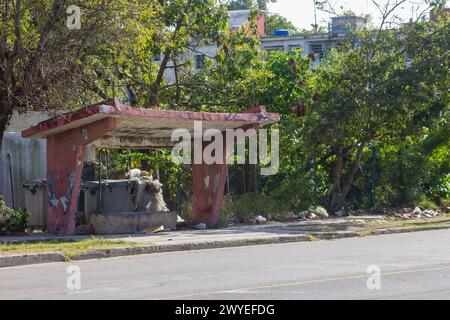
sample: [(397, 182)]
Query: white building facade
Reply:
[(318, 44)]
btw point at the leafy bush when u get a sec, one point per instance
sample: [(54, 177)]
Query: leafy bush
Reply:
[(11, 220), (442, 189), (2, 222), (445, 203), (427, 204), (252, 204), (226, 213), (186, 210)]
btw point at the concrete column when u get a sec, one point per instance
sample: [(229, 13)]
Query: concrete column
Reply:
[(209, 183), (65, 160), (208, 189)]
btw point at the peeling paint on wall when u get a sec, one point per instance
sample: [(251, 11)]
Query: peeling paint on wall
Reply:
[(65, 199), (53, 199), (216, 181)]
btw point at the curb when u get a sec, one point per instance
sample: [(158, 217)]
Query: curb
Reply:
[(407, 230), (26, 259)]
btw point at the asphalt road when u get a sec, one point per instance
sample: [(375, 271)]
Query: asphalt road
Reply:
[(413, 266)]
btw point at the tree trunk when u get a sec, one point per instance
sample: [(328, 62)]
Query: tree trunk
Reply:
[(401, 178), (5, 112), (340, 190), (178, 93), (154, 89), (3, 123), (336, 196), (353, 169)]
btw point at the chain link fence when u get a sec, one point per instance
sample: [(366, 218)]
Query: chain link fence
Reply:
[(106, 174), (243, 179), (109, 180)]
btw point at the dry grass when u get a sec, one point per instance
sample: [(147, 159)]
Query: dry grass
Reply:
[(68, 248), (382, 224), (366, 228)]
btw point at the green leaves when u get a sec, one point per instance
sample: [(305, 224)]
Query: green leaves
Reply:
[(275, 21), (383, 88), (12, 221)]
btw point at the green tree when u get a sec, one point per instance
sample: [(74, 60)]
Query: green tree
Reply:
[(229, 80), (383, 89), (187, 24), (44, 65), (369, 93), (275, 21)]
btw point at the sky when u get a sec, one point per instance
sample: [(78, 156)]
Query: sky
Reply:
[(301, 12)]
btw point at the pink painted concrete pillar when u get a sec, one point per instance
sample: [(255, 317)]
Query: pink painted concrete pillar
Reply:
[(208, 190), (65, 160), (209, 184)]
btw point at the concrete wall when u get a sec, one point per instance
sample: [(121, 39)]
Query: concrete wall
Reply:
[(28, 158), (28, 162), (305, 43)]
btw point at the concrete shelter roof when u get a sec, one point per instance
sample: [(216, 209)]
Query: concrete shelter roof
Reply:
[(143, 128)]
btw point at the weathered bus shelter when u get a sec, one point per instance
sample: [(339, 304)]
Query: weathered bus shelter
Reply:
[(114, 125)]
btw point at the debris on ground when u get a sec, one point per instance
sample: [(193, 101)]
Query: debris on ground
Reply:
[(320, 212), (410, 214), (340, 213), (155, 230), (417, 211), (200, 226), (302, 215), (430, 213), (311, 215), (290, 216), (399, 213), (260, 220)]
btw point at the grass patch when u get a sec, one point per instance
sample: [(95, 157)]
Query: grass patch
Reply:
[(68, 248), (311, 237), (363, 234)]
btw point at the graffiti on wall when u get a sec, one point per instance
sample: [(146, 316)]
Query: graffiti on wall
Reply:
[(65, 199)]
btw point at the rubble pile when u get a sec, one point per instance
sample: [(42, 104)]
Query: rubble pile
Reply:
[(313, 214), (144, 181), (410, 214)]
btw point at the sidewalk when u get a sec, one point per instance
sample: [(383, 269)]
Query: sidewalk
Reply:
[(194, 236), (242, 235)]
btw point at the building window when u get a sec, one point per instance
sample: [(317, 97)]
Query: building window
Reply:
[(274, 48), (157, 58), (199, 61), (317, 49)]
